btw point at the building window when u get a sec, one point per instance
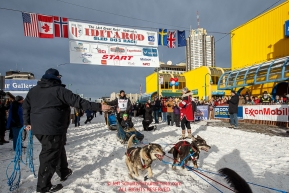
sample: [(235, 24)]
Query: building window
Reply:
[(166, 85)]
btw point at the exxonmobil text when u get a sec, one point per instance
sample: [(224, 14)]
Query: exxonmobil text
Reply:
[(266, 111)]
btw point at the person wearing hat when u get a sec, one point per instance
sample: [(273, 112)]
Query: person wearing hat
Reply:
[(187, 114), (123, 103), (46, 111), (125, 122), (147, 117), (265, 99), (15, 118), (233, 109)]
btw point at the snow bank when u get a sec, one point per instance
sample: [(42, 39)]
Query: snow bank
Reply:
[(97, 159)]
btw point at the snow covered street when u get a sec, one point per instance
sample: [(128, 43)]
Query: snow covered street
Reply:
[(97, 159)]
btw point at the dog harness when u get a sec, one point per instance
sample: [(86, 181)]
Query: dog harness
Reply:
[(130, 151), (192, 149)]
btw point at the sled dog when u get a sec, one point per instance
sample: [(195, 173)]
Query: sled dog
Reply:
[(183, 149), (141, 158)]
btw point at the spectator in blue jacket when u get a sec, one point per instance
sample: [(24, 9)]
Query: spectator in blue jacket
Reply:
[(15, 118), (89, 116)]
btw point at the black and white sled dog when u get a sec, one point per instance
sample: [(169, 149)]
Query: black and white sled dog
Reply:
[(183, 149), (235, 181), (141, 158)]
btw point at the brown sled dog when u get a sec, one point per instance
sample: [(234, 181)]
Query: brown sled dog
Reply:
[(142, 157), (182, 149)]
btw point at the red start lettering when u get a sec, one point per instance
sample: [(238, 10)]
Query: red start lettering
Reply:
[(146, 64), (111, 34), (116, 57)]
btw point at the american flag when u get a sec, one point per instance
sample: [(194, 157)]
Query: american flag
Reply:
[(30, 24)]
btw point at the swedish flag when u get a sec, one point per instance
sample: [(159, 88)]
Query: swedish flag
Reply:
[(163, 37)]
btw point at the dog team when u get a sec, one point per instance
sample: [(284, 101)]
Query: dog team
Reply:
[(141, 158)]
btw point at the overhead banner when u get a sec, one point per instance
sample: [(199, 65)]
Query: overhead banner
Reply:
[(112, 55), (19, 85), (266, 112), (110, 34)]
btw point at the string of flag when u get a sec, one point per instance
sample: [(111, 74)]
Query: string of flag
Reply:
[(46, 26)]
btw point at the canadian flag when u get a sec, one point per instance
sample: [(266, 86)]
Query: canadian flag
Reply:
[(45, 26)]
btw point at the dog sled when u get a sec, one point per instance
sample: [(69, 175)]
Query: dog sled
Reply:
[(110, 117), (124, 134), (111, 121)]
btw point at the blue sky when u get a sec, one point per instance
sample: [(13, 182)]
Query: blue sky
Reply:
[(18, 52)]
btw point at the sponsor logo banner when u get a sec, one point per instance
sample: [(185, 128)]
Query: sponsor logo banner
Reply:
[(113, 55), (110, 34), (19, 85), (202, 113), (266, 112), (222, 112)]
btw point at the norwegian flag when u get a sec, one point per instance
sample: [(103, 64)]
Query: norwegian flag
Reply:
[(60, 27), (172, 39)]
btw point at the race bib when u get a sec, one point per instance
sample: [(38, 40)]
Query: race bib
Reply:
[(122, 104)]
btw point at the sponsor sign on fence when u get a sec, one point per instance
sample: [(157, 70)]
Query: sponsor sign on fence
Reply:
[(19, 85), (266, 112), (202, 113), (222, 112), (110, 34), (112, 55)]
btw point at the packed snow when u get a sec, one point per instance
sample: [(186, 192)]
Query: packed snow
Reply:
[(97, 159)]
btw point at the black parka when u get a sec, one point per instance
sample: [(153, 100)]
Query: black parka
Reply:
[(233, 104), (47, 107)]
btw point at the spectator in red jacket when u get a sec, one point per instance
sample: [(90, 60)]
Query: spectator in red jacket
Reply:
[(164, 110), (257, 101)]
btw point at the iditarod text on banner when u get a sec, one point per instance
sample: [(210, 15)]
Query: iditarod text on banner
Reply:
[(113, 35)]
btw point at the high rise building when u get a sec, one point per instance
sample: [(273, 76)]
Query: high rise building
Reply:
[(200, 50)]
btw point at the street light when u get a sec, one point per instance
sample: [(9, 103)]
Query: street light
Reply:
[(211, 82)]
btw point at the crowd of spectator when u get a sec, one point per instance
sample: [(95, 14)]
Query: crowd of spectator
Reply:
[(247, 99)]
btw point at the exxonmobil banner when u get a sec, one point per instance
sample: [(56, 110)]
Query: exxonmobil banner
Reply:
[(266, 112), (110, 34), (112, 54)]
